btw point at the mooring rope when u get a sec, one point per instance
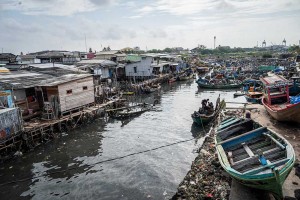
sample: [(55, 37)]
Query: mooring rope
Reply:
[(100, 162)]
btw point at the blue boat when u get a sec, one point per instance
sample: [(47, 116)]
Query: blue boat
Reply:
[(254, 155), (295, 88)]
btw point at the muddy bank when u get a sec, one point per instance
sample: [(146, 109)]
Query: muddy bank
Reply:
[(206, 179)]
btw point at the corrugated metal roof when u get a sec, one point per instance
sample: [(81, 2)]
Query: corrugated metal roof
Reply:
[(27, 56), (63, 79), (24, 79), (112, 52), (97, 61)]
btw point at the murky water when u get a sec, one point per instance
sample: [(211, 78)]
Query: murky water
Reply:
[(80, 164)]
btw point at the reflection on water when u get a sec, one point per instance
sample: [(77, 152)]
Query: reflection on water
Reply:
[(79, 166)]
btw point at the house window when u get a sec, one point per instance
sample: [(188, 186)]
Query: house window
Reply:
[(134, 69), (69, 91), (84, 88)]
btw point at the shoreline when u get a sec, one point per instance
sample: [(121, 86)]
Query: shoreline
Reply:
[(206, 179)]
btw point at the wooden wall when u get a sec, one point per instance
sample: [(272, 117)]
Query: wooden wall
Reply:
[(79, 97)]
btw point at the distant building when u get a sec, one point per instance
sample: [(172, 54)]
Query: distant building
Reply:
[(113, 55), (27, 59), (138, 66), (178, 48), (6, 58), (62, 57), (223, 47), (136, 48), (103, 68)]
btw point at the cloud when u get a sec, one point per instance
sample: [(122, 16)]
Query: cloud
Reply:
[(134, 17), (221, 8), (54, 7)]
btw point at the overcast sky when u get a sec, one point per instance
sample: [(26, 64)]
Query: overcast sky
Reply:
[(35, 25)]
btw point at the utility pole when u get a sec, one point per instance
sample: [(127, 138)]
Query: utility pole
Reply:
[(85, 43), (215, 41)]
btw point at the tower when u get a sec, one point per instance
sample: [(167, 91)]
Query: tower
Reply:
[(284, 42), (215, 41), (264, 44)]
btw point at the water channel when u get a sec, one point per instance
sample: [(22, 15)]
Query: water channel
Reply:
[(77, 165)]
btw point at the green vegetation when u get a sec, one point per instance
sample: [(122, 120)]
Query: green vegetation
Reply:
[(295, 49)]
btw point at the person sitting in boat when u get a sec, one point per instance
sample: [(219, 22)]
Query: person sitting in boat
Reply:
[(210, 107), (204, 102)]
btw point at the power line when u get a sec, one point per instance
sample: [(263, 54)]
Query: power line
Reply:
[(100, 162)]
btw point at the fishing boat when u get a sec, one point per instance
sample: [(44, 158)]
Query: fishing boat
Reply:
[(112, 112), (202, 70), (255, 156), (173, 79), (203, 118), (131, 112), (185, 77), (295, 88), (254, 97), (276, 99), (151, 89), (219, 86), (128, 93)]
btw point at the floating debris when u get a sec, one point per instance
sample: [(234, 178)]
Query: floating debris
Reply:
[(206, 179)]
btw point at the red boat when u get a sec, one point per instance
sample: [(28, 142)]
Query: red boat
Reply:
[(276, 99)]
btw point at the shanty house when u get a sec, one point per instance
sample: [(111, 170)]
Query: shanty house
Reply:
[(36, 93), (103, 68), (115, 55), (71, 91), (27, 59), (6, 58), (18, 90), (138, 66)]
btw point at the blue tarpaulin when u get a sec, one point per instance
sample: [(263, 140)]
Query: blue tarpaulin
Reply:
[(295, 99)]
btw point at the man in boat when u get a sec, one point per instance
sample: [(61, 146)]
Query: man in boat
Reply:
[(204, 102), (210, 106)]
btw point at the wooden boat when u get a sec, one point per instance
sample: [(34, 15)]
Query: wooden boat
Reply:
[(131, 112), (219, 86), (255, 156), (172, 80), (151, 89), (254, 97), (295, 88), (201, 70), (276, 99), (185, 77), (114, 111), (128, 93), (204, 119)]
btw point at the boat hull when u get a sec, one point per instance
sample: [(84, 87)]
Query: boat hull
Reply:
[(288, 114), (274, 177), (129, 114), (253, 100), (202, 120), (185, 78), (233, 86), (260, 182)]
